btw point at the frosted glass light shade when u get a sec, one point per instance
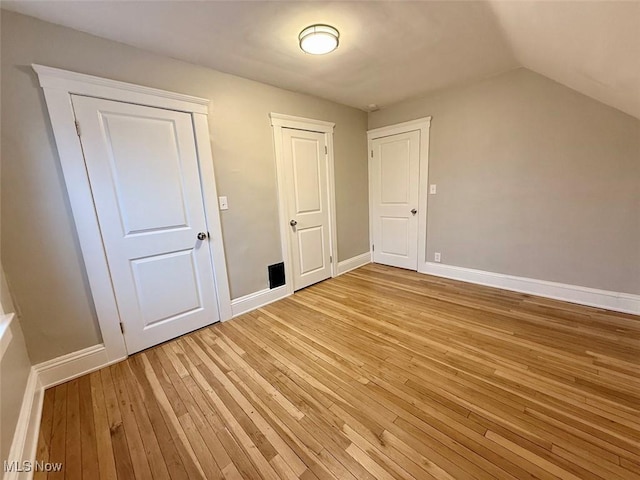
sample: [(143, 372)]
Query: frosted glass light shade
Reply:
[(319, 39)]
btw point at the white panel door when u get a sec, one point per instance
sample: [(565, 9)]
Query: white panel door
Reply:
[(395, 170), (143, 169), (305, 171)]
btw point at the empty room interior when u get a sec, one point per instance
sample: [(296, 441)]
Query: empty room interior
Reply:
[(320, 240)]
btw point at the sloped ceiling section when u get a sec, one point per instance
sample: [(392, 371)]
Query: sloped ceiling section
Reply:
[(389, 51), (591, 47)]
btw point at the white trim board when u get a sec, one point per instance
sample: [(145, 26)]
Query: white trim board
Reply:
[(42, 376), (353, 263), (259, 299), (73, 365), (58, 85), (411, 125), (592, 297), (81, 84), (25, 439), (264, 297), (301, 123), (278, 122)]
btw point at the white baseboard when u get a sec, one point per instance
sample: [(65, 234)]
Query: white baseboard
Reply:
[(73, 365), (25, 438), (258, 299), (264, 297), (616, 301), (42, 376), (353, 263)]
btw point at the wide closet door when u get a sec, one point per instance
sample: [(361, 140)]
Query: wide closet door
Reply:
[(143, 169)]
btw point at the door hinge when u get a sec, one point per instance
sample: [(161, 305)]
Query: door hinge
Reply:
[(371, 153), (78, 127), (373, 248), (326, 151), (330, 258), (122, 327)]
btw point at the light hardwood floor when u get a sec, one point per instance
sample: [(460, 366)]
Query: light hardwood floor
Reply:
[(380, 373)]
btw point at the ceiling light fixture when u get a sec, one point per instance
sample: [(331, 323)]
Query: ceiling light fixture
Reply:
[(319, 39)]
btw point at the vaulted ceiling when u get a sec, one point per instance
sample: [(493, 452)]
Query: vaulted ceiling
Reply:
[(389, 51)]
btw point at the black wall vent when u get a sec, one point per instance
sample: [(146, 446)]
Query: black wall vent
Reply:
[(276, 275)]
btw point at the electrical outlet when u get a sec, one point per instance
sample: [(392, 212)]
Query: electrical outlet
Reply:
[(224, 204), (436, 257), (432, 189)]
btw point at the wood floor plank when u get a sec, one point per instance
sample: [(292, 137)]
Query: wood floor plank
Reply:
[(155, 456), (139, 459), (175, 457), (122, 457), (73, 443), (311, 432), (88, 438), (185, 449), (57, 451), (197, 422), (44, 435), (380, 373), (106, 461)]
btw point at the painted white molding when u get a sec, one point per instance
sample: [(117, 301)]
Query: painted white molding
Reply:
[(212, 215), (58, 86), (423, 125), (25, 439), (353, 263), (331, 185), (301, 123), (42, 376), (5, 332), (258, 299), (403, 127), (592, 297), (278, 122), (73, 365), (82, 84)]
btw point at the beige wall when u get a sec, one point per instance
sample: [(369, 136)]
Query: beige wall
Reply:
[(15, 366), (40, 248), (534, 180)]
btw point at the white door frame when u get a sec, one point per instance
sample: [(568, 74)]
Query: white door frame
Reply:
[(278, 122), (422, 125), (58, 86)]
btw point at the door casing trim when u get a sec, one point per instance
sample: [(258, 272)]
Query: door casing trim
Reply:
[(58, 86), (278, 122), (422, 125)]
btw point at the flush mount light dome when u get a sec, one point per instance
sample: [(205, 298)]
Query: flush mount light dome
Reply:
[(319, 39)]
